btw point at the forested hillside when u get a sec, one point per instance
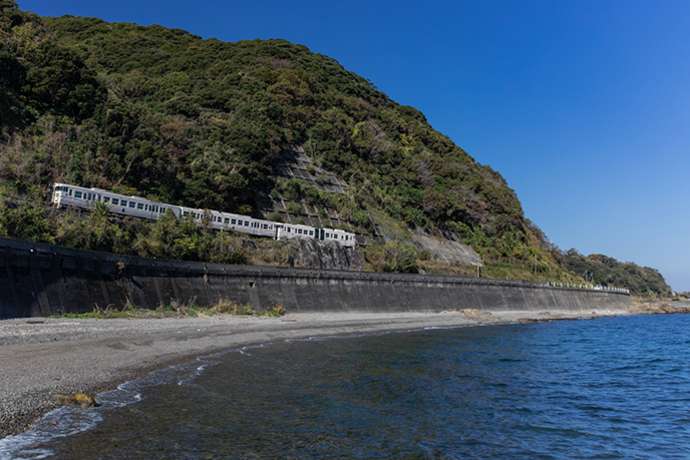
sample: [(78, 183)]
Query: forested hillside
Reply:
[(266, 128), (607, 271)]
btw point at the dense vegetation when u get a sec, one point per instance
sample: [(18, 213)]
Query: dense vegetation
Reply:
[(165, 114), (607, 271)]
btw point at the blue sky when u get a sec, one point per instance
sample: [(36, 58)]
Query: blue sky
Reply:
[(583, 106)]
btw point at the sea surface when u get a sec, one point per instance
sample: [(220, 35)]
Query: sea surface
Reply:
[(607, 388)]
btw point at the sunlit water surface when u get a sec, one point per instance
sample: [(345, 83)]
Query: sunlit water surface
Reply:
[(608, 388)]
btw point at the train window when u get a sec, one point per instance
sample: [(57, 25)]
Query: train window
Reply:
[(311, 232), (227, 220), (70, 192), (233, 221), (140, 206), (124, 203), (77, 195), (132, 204), (246, 223), (106, 199), (265, 226)]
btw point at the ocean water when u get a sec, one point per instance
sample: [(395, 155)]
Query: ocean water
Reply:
[(607, 388)]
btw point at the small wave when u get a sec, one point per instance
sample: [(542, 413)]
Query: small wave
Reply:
[(439, 328), (593, 408), (71, 420), (58, 423)]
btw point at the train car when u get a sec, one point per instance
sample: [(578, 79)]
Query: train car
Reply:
[(290, 231), (65, 195), (340, 236)]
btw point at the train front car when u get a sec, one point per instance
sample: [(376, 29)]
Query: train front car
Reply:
[(60, 192), (71, 196)]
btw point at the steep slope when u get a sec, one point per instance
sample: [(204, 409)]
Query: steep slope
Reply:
[(259, 127)]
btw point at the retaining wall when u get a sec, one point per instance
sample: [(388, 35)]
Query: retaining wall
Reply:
[(40, 280)]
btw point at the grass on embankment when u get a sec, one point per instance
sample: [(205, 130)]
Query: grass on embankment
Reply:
[(175, 310)]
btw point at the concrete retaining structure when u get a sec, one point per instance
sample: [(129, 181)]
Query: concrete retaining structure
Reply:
[(41, 280)]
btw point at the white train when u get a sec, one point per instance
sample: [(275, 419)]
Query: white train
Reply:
[(66, 195)]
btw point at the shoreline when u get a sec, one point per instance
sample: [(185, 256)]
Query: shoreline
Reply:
[(44, 356)]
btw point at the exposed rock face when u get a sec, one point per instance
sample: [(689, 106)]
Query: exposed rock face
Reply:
[(448, 250), (323, 255)]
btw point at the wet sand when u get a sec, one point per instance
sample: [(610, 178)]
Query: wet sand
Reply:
[(41, 357)]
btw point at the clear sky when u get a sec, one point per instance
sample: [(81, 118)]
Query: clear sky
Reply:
[(583, 106)]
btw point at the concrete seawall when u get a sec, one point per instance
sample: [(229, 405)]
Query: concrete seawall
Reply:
[(40, 280)]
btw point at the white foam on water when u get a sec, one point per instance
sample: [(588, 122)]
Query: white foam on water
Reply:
[(71, 420), (58, 423)]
